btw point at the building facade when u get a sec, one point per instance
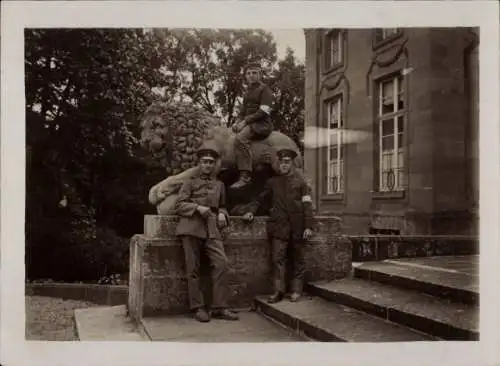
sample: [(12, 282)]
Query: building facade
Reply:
[(414, 93)]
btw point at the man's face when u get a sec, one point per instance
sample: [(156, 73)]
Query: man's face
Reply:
[(207, 165), (285, 165), (252, 75)]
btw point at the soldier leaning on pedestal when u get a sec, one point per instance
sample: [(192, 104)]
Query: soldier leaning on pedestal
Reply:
[(255, 121), (201, 207), (290, 223)]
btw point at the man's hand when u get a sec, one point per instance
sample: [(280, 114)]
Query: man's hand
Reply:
[(221, 220), (248, 217), (203, 210), (238, 126), (307, 234)]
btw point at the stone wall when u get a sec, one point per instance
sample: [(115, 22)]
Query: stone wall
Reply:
[(441, 128), (99, 294), (158, 283)]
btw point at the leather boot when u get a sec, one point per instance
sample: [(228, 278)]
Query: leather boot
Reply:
[(202, 316), (224, 314), (276, 297)]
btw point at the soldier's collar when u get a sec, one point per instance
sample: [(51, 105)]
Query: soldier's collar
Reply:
[(206, 176)]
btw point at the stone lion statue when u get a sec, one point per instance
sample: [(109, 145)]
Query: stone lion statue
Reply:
[(174, 131)]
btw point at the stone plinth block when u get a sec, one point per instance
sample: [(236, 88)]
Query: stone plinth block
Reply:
[(158, 282)]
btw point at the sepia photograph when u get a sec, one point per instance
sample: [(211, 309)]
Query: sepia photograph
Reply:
[(251, 184), (323, 189)]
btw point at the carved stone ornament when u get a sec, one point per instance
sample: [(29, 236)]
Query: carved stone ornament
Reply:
[(333, 82), (386, 57)]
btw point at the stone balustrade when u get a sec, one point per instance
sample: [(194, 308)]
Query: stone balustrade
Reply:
[(381, 247)]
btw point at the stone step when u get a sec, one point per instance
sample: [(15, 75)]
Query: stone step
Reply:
[(432, 315), (251, 327), (325, 321), (107, 323), (455, 286)]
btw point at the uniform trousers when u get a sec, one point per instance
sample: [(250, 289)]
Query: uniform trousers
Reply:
[(214, 248), (243, 152), (283, 250)]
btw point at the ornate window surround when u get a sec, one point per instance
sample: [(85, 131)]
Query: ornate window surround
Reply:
[(377, 44)]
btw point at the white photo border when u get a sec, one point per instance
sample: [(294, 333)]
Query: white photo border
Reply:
[(17, 15)]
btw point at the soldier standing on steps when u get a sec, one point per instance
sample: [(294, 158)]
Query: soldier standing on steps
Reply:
[(202, 214), (255, 121), (290, 223)]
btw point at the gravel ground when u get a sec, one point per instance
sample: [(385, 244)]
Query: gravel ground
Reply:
[(51, 319)]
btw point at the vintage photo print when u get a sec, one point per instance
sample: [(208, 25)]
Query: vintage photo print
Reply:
[(244, 183)]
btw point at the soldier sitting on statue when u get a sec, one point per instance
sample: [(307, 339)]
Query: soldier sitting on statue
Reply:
[(255, 121), (290, 223), (201, 207)]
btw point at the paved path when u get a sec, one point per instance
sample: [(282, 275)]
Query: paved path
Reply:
[(251, 327), (107, 323), (111, 323)]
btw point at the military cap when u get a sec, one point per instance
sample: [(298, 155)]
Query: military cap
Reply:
[(286, 153), (208, 150), (252, 65)]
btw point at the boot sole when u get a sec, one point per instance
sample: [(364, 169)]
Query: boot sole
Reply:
[(203, 321), (274, 301), (225, 318)]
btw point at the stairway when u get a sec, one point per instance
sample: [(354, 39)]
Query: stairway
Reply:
[(384, 302)]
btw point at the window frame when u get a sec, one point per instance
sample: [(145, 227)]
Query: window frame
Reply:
[(326, 191), (399, 154), (328, 66)]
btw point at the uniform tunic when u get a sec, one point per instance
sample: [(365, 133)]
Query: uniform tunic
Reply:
[(196, 191), (290, 214), (200, 234), (257, 103)]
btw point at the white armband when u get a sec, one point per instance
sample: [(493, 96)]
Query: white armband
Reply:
[(306, 199), (266, 109)]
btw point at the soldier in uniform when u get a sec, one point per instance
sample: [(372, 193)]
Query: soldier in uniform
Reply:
[(290, 223), (201, 207), (255, 121)]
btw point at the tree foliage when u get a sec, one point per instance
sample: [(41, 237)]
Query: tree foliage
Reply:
[(287, 83), (207, 69), (209, 72), (86, 91)]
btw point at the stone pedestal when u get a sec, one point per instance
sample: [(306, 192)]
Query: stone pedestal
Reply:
[(158, 283)]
